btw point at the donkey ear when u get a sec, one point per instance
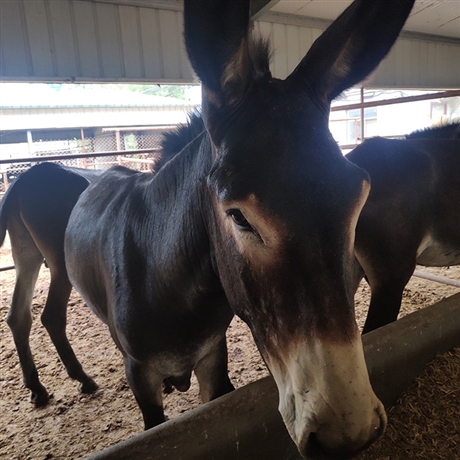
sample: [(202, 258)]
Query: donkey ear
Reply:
[(216, 38), (351, 47)]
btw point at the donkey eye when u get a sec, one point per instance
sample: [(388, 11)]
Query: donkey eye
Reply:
[(239, 220)]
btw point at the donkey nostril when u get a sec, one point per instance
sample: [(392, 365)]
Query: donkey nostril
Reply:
[(311, 448), (315, 448)]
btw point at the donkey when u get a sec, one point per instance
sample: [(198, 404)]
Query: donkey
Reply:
[(256, 216), (446, 131), (412, 215), (35, 211)]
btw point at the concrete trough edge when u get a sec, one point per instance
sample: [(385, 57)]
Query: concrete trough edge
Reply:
[(246, 424)]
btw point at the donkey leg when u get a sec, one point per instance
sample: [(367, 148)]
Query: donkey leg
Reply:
[(146, 386), (386, 296), (356, 277), (27, 259), (54, 318), (212, 373)]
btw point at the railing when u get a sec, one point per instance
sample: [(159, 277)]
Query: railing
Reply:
[(122, 157)]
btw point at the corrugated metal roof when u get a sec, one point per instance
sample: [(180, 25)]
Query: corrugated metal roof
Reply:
[(141, 40)]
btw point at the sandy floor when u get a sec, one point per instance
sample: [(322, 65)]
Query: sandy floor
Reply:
[(74, 425)]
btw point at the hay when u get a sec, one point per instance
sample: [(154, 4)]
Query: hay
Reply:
[(425, 422)]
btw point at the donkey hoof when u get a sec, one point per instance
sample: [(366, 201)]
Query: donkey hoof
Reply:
[(89, 386), (40, 399)]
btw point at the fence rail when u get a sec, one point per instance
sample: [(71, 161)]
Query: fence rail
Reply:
[(73, 156), (122, 156), (140, 159)]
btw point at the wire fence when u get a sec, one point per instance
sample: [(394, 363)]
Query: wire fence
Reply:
[(134, 149)]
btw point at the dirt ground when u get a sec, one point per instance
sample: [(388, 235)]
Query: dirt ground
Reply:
[(75, 425)]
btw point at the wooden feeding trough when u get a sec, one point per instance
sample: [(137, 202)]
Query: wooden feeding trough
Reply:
[(246, 424)]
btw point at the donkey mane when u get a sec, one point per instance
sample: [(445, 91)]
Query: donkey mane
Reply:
[(447, 131), (260, 54), (174, 141)]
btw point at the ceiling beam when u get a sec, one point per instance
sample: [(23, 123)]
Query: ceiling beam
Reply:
[(260, 7)]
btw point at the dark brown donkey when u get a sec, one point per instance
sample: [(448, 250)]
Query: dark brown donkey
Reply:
[(35, 211), (412, 215), (256, 216)]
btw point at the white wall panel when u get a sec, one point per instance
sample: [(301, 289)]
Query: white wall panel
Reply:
[(419, 64), (289, 44), (79, 40), (14, 43), (38, 35), (131, 45), (412, 63), (63, 38), (87, 53), (109, 40), (82, 40), (151, 43)]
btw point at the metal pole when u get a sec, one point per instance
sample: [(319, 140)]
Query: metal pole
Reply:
[(398, 100), (117, 136), (30, 142), (438, 279), (78, 155), (5, 181), (8, 267), (83, 147)]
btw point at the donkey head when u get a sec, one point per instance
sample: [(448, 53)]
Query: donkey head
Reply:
[(285, 204)]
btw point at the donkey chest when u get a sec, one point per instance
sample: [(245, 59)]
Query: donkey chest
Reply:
[(178, 333)]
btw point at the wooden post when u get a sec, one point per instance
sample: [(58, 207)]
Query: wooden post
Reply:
[(5, 180)]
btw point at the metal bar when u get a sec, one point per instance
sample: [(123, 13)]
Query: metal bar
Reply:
[(398, 100), (7, 267), (138, 160), (83, 147), (438, 279), (5, 181), (77, 155), (30, 142), (141, 128)]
